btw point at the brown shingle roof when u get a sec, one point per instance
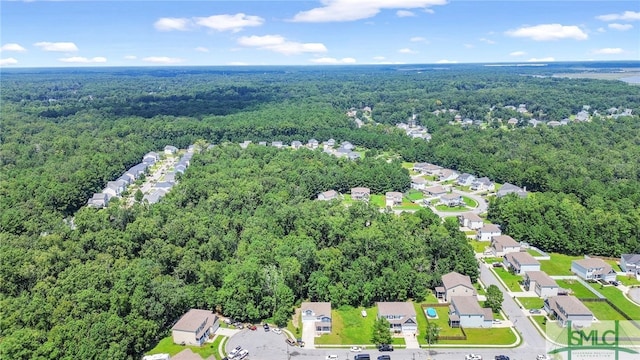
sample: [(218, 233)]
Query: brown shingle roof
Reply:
[(504, 241), (594, 263), (570, 304), (193, 319), (466, 305), (472, 217), (522, 258), (454, 279), (318, 308), (490, 228), (396, 308), (541, 278)]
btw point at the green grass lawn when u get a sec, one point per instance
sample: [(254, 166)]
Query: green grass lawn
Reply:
[(349, 327), (541, 320), (216, 344), (442, 322), (407, 165), (558, 264), (166, 346), (616, 297), (531, 302), (579, 290), (470, 202), (479, 289), (533, 252), (479, 246), (628, 281), (443, 207), (491, 260), (494, 336), (377, 200), (512, 280), (603, 311), (414, 195)]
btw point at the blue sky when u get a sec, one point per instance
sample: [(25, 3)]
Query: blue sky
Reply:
[(138, 33)]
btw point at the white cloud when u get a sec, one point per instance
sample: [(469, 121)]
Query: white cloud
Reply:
[(350, 10), (379, 58), (405, 13), (418, 39), (226, 22), (279, 44), (544, 59), (620, 27), (546, 32), (12, 47), (201, 49), (8, 61), (169, 24), (445, 61), (488, 41), (608, 51), (627, 16), (429, 11), (83, 60), (130, 57), (162, 60), (57, 46), (406, 51), (518, 53), (330, 60)]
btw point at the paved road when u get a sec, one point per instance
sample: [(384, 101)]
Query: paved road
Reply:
[(481, 208), (533, 342)]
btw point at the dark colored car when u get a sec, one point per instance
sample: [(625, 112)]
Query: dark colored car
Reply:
[(266, 327), (385, 347), (497, 264), (384, 357), (502, 357)]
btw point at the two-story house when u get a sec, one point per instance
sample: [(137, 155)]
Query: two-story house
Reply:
[(401, 316), (630, 263), (520, 262), (393, 198), (541, 283), (360, 193), (504, 244), (328, 195), (487, 232), (194, 327), (464, 311), (318, 313), (472, 221), (455, 284), (568, 308), (593, 269)]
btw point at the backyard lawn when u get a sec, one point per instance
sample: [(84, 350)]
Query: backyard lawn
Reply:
[(533, 252), (414, 195), (479, 246), (628, 280), (443, 207), (617, 297), (579, 290), (531, 302), (407, 205), (603, 311), (558, 265), (512, 280), (470, 202), (377, 200), (349, 327), (166, 346)]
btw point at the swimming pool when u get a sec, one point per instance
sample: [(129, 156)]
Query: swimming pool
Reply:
[(431, 312)]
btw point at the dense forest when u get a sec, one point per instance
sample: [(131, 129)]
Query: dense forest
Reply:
[(241, 232)]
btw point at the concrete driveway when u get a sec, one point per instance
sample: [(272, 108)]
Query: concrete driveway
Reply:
[(309, 334)]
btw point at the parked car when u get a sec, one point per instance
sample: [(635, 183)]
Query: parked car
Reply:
[(362, 357), (385, 347), (265, 327), (300, 342), (497, 264), (473, 357), (277, 331), (355, 349), (228, 321), (235, 351), (252, 327), (614, 282), (535, 311), (384, 357), (243, 354), (497, 321), (501, 357), (290, 342)]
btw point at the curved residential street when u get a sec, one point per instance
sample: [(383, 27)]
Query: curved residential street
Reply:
[(481, 208)]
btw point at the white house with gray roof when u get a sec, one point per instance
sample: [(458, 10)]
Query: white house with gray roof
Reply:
[(464, 311), (568, 308), (630, 263), (455, 284), (593, 269), (318, 313), (504, 244), (471, 220), (541, 283), (401, 316), (487, 232), (521, 262), (194, 327)]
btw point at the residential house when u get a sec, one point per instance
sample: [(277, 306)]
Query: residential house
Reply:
[(448, 174), (353, 155), (180, 168), (277, 144), (467, 122), (154, 196), (553, 123), (471, 220), (418, 182), (630, 263), (487, 232), (465, 179), (393, 198), (582, 116), (568, 308), (455, 284), (313, 144), (262, 143), (428, 169), (330, 143), (534, 122), (347, 145), (163, 185), (318, 313), (543, 285), (504, 244), (113, 188), (296, 144), (521, 262), (452, 199), (245, 144), (170, 149), (401, 316), (360, 193), (512, 121), (464, 311), (457, 118), (151, 157), (483, 184), (328, 195), (436, 190), (170, 177), (522, 108), (593, 269), (99, 200), (194, 327), (508, 188), (157, 357), (136, 171)]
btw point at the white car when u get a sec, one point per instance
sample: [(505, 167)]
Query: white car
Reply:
[(497, 321), (277, 331), (233, 353), (355, 349), (243, 354), (473, 357), (331, 357)]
